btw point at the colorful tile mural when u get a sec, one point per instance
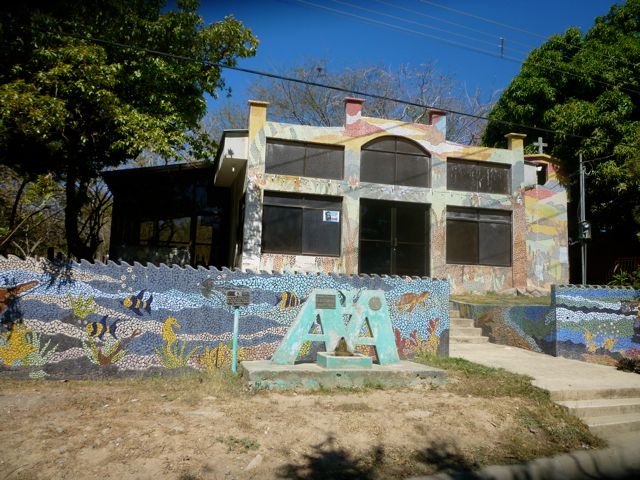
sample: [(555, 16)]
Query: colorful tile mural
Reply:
[(597, 324), (532, 327), (84, 320), (546, 219)]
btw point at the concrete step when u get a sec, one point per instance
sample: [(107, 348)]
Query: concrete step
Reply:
[(599, 407), (471, 331), (614, 424), (622, 439), (467, 339), (454, 313), (461, 322), (592, 394)]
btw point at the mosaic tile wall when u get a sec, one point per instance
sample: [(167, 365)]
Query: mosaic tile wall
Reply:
[(89, 320), (597, 324), (547, 235), (528, 256), (532, 327)]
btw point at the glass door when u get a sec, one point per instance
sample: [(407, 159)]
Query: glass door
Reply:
[(394, 238)]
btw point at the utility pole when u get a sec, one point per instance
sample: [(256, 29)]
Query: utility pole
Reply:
[(584, 230)]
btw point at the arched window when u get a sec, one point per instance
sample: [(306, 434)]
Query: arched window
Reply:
[(395, 161)]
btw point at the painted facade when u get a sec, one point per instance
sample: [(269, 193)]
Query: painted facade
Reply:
[(70, 320), (547, 226), (597, 324), (532, 327), (539, 239)]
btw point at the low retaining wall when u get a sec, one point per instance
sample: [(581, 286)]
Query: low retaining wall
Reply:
[(87, 320), (531, 327), (596, 324)]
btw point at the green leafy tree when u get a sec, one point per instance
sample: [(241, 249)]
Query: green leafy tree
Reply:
[(72, 106), (586, 89)]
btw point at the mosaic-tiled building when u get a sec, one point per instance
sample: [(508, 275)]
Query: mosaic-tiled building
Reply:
[(387, 197)]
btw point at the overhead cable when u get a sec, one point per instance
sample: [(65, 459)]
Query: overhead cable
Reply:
[(468, 47), (208, 63)]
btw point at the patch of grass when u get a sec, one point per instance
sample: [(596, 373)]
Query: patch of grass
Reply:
[(323, 390), (238, 444), (193, 387), (554, 428), (189, 476), (501, 299)]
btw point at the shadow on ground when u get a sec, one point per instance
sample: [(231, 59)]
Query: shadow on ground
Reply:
[(332, 462)]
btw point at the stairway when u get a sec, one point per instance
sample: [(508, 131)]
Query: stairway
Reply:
[(462, 330), (612, 414)]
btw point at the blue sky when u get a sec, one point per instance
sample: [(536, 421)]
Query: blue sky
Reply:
[(292, 30)]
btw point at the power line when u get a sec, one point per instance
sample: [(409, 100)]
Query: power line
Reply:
[(518, 29), (395, 17), (397, 27), (456, 24), (208, 63), (468, 47), (484, 19)]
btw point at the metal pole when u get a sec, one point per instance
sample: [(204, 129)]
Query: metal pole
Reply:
[(583, 241), (234, 359)]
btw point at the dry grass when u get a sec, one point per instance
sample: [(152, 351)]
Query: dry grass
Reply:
[(205, 426), (554, 427)]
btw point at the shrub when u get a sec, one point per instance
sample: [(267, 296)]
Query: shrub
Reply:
[(629, 364)]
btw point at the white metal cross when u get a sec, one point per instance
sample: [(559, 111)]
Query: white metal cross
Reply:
[(540, 144)]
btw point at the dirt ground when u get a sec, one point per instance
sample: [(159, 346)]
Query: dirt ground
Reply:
[(210, 427)]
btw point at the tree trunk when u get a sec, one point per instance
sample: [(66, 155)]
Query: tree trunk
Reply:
[(74, 194), (16, 202)]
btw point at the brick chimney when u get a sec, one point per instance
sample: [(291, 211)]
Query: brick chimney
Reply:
[(257, 116), (352, 110), (438, 119)]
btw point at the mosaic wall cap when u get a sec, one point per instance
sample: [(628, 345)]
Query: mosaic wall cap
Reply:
[(600, 287)]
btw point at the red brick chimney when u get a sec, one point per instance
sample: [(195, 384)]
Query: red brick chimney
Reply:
[(352, 110)]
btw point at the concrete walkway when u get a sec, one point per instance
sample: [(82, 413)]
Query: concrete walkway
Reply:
[(565, 379)]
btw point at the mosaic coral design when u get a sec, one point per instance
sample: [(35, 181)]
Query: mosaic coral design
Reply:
[(531, 327), (597, 324), (82, 320)]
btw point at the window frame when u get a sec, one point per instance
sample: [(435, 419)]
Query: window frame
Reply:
[(305, 203), (479, 212), (475, 164), (306, 146), (398, 155)]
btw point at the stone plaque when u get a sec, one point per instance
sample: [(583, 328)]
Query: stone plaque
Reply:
[(375, 304), (238, 298), (327, 302)]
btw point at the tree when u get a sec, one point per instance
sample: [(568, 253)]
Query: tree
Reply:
[(308, 105), (73, 106), (30, 213), (586, 89)]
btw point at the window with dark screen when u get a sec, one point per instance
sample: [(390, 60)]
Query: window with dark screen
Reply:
[(302, 159), (478, 236), (301, 224), (395, 161), (481, 177)]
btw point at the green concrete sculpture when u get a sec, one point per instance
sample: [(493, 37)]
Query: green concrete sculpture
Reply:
[(329, 308)]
